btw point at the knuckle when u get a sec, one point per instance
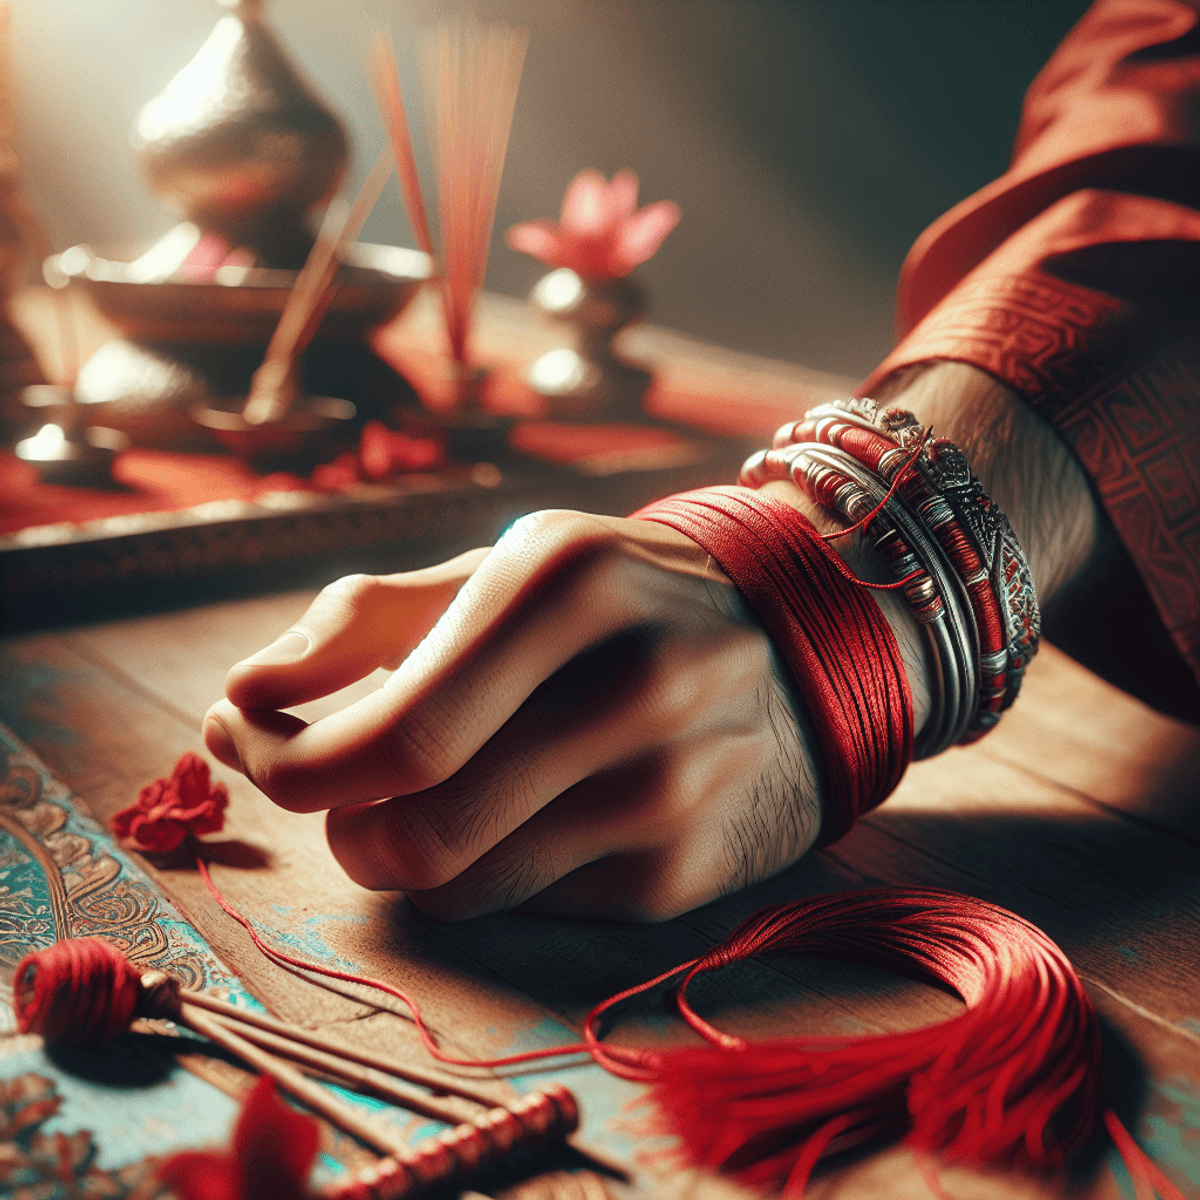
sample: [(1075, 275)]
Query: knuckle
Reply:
[(508, 877), (282, 782), (670, 889), (554, 537), (413, 754), (675, 694), (495, 884), (679, 692), (422, 855), (390, 848), (353, 593)]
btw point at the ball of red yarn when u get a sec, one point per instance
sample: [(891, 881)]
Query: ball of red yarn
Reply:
[(79, 992), (169, 809)]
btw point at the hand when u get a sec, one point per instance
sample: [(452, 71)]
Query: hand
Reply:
[(584, 720)]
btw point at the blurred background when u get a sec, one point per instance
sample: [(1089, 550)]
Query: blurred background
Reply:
[(807, 141)]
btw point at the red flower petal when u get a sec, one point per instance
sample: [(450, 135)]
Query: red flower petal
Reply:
[(190, 778), (585, 207), (195, 1175), (274, 1146), (601, 234), (151, 794), (156, 835), (623, 194), (640, 236), (167, 810), (541, 239), (271, 1156)]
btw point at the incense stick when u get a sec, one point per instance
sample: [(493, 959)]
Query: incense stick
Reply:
[(384, 1138), (389, 98), (472, 72), (273, 389), (435, 1080)]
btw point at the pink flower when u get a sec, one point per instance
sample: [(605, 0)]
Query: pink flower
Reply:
[(167, 810), (271, 1155), (601, 233)]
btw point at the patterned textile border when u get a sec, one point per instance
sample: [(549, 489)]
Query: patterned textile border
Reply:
[(61, 876)]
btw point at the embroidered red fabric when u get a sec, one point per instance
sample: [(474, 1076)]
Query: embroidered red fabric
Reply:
[(1075, 280)]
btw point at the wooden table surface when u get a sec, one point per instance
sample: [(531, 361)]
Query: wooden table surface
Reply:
[(1080, 813)]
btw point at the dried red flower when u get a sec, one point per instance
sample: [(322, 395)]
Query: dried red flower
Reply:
[(601, 232), (169, 809), (269, 1157)]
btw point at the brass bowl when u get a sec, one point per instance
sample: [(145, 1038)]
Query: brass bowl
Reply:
[(308, 435), (242, 305)]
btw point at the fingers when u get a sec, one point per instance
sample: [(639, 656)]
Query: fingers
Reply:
[(577, 725), (549, 591), (354, 626), (666, 815)]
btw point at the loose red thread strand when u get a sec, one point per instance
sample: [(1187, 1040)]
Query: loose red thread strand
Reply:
[(427, 1039), (863, 522)]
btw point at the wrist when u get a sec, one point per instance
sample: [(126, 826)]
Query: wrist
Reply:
[(1021, 462)]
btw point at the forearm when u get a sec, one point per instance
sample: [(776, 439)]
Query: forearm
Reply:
[(1024, 466)]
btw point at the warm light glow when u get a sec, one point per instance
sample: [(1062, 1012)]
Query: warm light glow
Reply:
[(558, 290), (164, 258), (46, 443), (560, 371), (74, 260), (191, 98)]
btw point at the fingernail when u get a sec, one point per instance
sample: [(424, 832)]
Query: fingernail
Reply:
[(220, 745), (291, 646)]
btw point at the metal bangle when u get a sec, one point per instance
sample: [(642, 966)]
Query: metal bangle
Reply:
[(949, 627), (944, 471)]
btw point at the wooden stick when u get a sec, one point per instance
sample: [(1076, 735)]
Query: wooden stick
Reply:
[(342, 1062), (273, 388), (405, 1171), (375, 1133), (412, 1074), (363, 1077)]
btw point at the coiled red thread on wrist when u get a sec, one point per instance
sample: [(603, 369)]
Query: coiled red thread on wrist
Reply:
[(836, 641)]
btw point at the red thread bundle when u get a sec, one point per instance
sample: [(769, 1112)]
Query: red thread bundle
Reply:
[(838, 644), (1015, 1079), (81, 991)]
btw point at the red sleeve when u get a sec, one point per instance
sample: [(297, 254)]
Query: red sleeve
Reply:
[(1075, 279)]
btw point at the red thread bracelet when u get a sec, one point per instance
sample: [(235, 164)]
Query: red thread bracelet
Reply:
[(836, 641)]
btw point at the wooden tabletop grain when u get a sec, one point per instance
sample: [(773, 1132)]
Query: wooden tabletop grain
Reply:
[(1080, 813)]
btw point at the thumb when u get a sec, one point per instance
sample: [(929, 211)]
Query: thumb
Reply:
[(354, 625)]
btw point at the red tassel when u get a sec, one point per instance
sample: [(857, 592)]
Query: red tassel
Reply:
[(1015, 1079)]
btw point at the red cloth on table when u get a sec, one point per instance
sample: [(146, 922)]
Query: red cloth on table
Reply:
[(1075, 279)]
